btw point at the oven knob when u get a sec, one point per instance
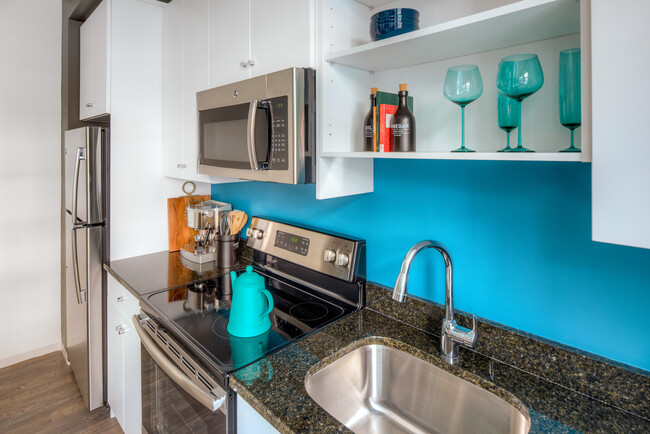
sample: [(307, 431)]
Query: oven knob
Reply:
[(255, 233), (329, 255), (342, 259)]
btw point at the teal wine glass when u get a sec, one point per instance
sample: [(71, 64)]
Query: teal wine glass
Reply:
[(463, 84), (520, 76), (569, 93), (508, 109)]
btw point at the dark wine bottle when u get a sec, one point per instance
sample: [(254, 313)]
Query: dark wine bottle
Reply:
[(403, 125), (369, 133)]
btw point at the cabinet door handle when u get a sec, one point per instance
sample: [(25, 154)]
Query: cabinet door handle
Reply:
[(120, 298), (89, 104), (120, 329)]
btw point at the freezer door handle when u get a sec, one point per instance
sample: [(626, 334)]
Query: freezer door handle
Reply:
[(82, 295), (81, 155)]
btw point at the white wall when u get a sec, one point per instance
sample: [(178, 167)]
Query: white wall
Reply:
[(139, 191), (30, 178)]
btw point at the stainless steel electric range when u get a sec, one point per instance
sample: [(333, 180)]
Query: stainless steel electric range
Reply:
[(188, 357)]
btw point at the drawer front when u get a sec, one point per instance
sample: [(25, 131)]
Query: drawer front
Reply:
[(126, 302)]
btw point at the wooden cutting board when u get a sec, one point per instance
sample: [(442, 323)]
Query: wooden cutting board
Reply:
[(179, 232)]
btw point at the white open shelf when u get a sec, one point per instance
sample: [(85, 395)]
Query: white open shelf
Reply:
[(374, 3), (495, 156), (514, 24)]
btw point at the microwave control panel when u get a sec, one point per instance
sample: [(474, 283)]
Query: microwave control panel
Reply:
[(279, 157)]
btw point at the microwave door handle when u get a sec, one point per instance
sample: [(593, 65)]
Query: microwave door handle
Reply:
[(252, 116), (271, 121), (81, 155)]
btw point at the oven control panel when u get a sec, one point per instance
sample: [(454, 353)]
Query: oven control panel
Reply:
[(327, 253)]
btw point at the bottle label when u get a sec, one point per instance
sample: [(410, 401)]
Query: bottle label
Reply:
[(400, 130), (368, 131)]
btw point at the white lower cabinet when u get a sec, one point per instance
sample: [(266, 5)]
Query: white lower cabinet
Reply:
[(124, 390), (251, 422)]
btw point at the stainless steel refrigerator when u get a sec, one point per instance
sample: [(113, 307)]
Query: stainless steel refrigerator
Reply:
[(86, 202)]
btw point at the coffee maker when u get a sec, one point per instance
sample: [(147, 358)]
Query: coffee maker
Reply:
[(204, 217)]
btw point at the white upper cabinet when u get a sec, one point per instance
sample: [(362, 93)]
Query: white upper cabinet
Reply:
[(282, 35), (262, 37), (229, 44), (94, 91), (186, 70), (621, 148)]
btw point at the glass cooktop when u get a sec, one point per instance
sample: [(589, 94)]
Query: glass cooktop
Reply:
[(201, 311)]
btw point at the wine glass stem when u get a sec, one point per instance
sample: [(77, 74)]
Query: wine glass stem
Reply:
[(519, 130), (462, 126), (572, 136)]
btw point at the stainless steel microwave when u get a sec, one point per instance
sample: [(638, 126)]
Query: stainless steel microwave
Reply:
[(261, 129)]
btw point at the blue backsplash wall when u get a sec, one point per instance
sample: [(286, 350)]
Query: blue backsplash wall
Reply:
[(519, 234)]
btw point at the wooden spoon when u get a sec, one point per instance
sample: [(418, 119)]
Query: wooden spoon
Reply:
[(239, 219)]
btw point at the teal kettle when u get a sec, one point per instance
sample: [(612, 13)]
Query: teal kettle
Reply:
[(251, 305)]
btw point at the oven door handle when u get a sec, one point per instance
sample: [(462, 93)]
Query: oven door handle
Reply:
[(175, 373), (252, 152)]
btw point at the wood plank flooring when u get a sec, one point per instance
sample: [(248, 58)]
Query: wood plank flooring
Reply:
[(40, 395)]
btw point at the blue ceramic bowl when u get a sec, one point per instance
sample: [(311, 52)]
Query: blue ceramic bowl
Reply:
[(392, 13), (385, 29), (390, 34), (393, 22)]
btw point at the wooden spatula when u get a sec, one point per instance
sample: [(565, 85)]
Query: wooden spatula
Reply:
[(237, 220)]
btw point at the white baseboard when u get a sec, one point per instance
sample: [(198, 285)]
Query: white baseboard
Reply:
[(8, 361)]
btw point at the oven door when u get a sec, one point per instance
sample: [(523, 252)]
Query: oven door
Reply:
[(178, 395)]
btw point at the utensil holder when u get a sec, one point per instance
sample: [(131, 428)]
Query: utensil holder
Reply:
[(227, 250)]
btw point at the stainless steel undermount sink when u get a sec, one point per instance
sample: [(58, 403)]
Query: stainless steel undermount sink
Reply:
[(379, 389)]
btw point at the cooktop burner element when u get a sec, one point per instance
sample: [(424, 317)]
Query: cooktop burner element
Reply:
[(309, 292), (309, 310), (197, 314)]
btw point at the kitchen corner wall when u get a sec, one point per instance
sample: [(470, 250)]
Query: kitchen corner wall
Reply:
[(139, 191), (30, 178), (519, 234)]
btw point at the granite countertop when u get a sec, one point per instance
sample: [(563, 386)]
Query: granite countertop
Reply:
[(563, 389), (163, 270), (553, 407)]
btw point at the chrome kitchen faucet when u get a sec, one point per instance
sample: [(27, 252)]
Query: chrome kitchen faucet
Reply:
[(452, 335)]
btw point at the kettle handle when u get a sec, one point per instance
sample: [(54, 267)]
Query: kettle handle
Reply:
[(269, 299)]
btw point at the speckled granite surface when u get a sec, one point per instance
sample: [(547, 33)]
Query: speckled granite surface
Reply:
[(616, 384), (562, 389), (283, 399), (162, 270)]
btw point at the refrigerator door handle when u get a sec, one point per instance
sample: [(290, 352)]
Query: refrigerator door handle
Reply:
[(81, 155), (82, 295)]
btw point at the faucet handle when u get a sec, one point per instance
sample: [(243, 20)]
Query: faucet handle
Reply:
[(474, 331), (460, 334)]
